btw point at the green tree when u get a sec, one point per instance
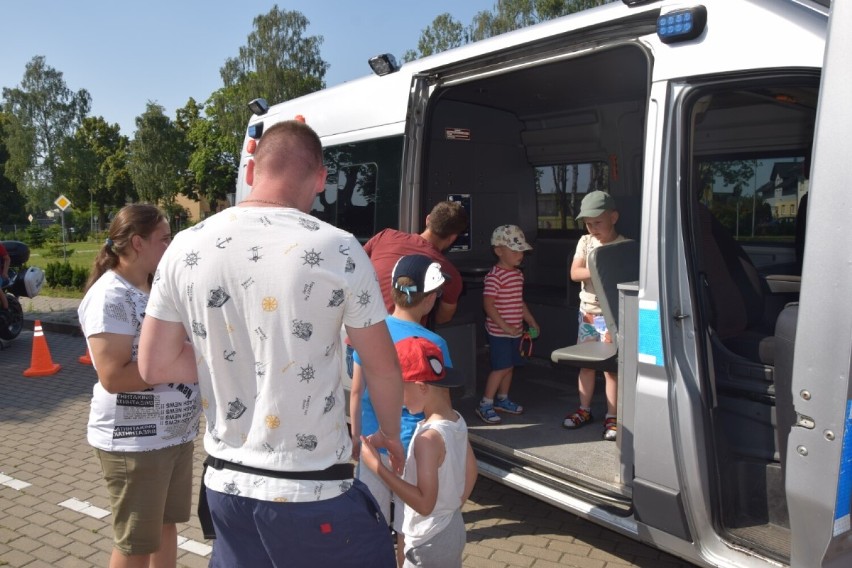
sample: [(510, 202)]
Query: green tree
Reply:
[(93, 169), (511, 15), (278, 63), (12, 211), (45, 112), (445, 32), (212, 169), (158, 156)]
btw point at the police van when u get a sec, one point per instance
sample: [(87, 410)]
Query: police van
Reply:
[(718, 126)]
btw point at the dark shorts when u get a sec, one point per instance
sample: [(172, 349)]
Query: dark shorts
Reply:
[(505, 352), (345, 531)]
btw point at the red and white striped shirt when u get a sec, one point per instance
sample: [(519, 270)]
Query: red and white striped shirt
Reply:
[(507, 288)]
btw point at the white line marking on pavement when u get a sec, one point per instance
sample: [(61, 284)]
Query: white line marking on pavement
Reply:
[(194, 546), (75, 504), (85, 508), (15, 484)]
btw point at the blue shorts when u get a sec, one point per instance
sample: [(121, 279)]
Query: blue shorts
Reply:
[(505, 352), (348, 530), (592, 327)]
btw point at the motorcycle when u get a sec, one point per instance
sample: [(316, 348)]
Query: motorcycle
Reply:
[(22, 283)]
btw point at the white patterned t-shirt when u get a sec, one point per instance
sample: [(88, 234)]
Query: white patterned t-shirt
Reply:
[(263, 293), (162, 416)]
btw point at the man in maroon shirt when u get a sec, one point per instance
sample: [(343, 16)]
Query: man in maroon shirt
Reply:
[(447, 220)]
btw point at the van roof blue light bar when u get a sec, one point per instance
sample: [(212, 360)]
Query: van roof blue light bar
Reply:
[(682, 24)]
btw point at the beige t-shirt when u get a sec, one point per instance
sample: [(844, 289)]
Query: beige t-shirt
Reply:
[(588, 297)]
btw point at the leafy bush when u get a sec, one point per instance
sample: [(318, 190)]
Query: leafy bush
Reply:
[(35, 236), (58, 250), (58, 274), (50, 273), (53, 234), (79, 276), (63, 275)]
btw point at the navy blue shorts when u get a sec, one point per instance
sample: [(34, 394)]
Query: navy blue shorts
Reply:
[(345, 531), (505, 352)]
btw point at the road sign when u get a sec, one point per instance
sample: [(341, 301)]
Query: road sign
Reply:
[(62, 202)]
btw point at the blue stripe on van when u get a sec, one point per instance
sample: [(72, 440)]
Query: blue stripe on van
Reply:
[(650, 335), (843, 505)]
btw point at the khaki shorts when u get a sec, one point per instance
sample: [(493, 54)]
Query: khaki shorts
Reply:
[(146, 491)]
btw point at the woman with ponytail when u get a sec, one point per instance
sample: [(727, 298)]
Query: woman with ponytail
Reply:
[(142, 435)]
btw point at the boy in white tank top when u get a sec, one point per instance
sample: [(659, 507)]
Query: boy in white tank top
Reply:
[(440, 469)]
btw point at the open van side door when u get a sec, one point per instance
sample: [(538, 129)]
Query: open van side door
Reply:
[(412, 155), (819, 462)]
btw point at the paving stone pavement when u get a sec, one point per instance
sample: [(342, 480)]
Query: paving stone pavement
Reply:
[(54, 509)]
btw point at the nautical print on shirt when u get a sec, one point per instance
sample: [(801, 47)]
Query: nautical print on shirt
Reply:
[(263, 293)]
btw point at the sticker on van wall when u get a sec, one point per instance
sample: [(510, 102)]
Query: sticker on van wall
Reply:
[(463, 241), (843, 503), (650, 334), (457, 133)]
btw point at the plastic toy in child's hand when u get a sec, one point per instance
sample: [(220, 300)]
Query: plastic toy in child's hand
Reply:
[(533, 333)]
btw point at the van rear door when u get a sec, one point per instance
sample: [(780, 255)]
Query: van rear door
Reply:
[(819, 463)]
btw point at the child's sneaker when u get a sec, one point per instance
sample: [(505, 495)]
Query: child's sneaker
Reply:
[(610, 429), (577, 419), (507, 406), (486, 412)]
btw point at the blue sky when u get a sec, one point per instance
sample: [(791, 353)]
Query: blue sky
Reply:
[(127, 52)]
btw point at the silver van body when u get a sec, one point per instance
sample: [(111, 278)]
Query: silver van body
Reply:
[(734, 342)]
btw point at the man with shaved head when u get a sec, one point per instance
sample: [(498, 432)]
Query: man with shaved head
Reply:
[(261, 291)]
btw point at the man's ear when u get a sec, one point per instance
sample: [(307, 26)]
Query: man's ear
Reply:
[(250, 172), (613, 215), (321, 177)]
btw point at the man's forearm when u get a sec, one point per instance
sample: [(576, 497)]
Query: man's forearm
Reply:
[(165, 355)]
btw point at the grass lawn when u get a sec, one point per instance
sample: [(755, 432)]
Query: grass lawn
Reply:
[(78, 254)]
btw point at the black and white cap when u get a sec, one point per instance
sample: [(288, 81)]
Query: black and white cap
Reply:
[(425, 273)]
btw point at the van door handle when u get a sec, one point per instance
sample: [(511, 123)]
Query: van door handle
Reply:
[(679, 316)]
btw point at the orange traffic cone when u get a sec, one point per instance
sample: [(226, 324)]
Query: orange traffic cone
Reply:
[(42, 363), (85, 359)]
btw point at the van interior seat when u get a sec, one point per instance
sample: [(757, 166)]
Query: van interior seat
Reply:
[(609, 265), (785, 333), (735, 293)]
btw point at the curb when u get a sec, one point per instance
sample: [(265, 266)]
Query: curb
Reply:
[(54, 327)]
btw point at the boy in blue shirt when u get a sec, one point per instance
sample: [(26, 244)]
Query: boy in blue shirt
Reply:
[(416, 283)]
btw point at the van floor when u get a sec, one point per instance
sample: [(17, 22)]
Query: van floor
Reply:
[(537, 438), (580, 457)]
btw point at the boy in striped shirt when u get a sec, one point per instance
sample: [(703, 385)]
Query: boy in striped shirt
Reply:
[(505, 314)]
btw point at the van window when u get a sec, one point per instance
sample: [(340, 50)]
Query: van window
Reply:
[(559, 190), (362, 188), (755, 199), (349, 197)]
